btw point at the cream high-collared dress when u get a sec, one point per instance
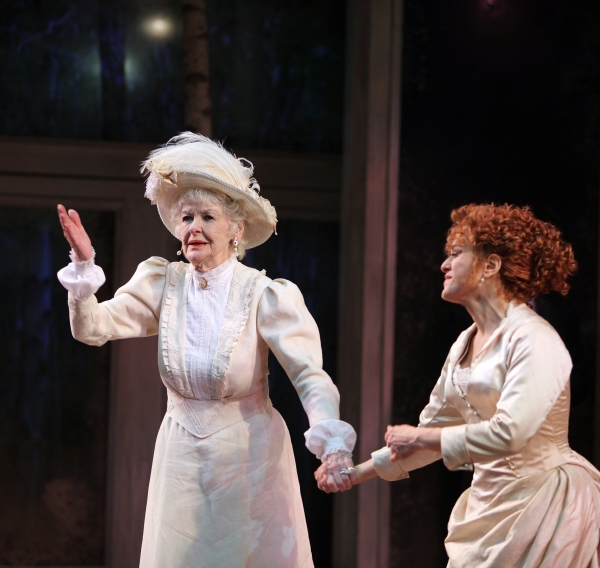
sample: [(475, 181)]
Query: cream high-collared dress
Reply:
[(533, 502), (224, 490)]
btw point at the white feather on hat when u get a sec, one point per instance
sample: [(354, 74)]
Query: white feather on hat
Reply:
[(191, 161)]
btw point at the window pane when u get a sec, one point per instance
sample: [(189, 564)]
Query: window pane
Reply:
[(277, 73), (91, 69), (114, 70), (50, 66), (53, 399)]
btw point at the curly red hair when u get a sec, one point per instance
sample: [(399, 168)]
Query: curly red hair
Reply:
[(535, 258)]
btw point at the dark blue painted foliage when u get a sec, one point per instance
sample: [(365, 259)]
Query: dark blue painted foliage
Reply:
[(53, 400), (49, 62), (277, 71), (91, 69)]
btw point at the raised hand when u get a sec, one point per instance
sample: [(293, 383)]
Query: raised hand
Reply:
[(329, 476), (75, 233)]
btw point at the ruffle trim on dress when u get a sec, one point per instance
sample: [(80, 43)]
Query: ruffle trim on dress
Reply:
[(329, 436), (81, 278), (82, 263), (241, 292), (169, 349)]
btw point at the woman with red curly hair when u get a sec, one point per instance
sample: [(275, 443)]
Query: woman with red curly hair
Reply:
[(501, 404)]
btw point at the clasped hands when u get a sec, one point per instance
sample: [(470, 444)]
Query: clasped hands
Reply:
[(336, 473), (404, 440)]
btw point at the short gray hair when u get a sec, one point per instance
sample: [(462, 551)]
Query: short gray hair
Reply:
[(233, 208)]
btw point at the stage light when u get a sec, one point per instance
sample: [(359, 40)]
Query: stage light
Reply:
[(493, 4), (159, 27)]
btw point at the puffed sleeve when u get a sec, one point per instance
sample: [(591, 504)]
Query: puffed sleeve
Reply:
[(291, 333), (437, 414), (538, 369), (81, 278), (133, 312)]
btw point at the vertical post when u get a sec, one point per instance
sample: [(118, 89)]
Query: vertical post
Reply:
[(198, 111), (368, 267), (137, 398)]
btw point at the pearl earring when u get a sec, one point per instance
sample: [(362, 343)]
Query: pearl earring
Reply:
[(180, 251), (235, 247)]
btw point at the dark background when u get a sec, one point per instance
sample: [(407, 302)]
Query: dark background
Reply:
[(500, 102), (53, 399)]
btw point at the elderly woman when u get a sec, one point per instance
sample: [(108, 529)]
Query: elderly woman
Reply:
[(224, 489), (501, 404)]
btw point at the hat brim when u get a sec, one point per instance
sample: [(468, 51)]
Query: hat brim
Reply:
[(258, 226)]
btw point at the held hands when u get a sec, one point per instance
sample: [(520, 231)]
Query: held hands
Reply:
[(405, 440), (335, 474), (338, 474), (75, 233), (402, 441)]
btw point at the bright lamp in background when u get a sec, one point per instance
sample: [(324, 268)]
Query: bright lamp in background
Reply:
[(159, 27)]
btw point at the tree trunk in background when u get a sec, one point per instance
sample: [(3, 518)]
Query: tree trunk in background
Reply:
[(198, 110)]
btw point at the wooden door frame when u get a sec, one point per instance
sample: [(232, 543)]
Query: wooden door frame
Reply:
[(368, 267)]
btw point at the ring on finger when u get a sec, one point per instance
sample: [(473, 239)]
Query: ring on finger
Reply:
[(347, 471)]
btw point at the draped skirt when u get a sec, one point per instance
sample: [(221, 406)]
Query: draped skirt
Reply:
[(549, 519), (230, 500)]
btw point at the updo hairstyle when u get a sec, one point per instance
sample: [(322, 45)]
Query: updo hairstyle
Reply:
[(535, 258), (233, 208)]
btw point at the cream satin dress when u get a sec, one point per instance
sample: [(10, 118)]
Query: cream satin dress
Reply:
[(533, 502), (224, 491)]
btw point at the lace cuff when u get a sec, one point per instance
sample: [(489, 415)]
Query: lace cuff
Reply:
[(83, 267), (329, 436), (81, 278)]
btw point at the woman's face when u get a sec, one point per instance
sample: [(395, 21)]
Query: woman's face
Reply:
[(460, 274), (206, 234)]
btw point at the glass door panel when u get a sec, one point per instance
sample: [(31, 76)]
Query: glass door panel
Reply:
[(53, 398)]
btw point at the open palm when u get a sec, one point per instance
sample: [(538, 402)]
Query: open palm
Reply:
[(75, 233)]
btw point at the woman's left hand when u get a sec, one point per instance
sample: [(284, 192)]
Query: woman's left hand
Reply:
[(405, 440), (329, 477), (75, 233)]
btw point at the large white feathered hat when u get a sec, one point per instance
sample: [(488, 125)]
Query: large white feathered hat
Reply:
[(191, 161)]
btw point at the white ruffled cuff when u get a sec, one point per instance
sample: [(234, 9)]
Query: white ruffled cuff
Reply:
[(329, 436), (81, 278)]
